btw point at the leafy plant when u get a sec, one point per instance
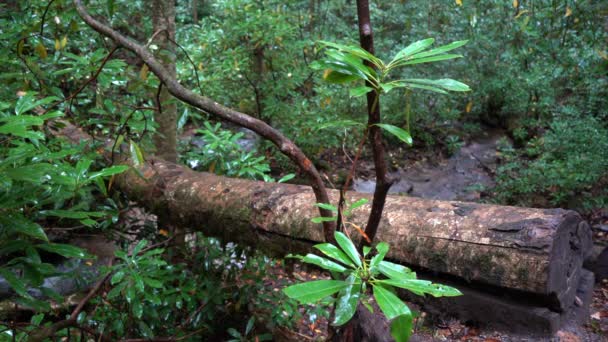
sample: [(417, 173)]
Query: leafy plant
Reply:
[(358, 274), (221, 152), (344, 64), (42, 183)]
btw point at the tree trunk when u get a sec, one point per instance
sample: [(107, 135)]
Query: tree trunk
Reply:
[(163, 21), (538, 251)]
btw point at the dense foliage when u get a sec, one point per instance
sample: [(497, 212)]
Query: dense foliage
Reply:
[(537, 70)]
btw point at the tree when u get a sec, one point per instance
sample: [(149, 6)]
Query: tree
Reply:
[(163, 19)]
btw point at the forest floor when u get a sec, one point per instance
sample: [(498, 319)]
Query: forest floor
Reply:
[(465, 176)]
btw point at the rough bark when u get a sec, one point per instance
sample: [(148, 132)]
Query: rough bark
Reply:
[(538, 251), (163, 22), (286, 146)]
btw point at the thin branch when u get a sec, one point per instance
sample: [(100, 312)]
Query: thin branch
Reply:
[(286, 146)]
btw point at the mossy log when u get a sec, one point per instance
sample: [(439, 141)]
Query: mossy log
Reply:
[(537, 251)]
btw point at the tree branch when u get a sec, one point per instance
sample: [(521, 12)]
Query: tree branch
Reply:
[(286, 146)]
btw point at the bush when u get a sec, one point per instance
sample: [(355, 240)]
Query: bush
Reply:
[(563, 166)]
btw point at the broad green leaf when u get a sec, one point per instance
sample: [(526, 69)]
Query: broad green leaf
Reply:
[(320, 219), (137, 309), (108, 171), (14, 282), (382, 249), (420, 287), (359, 91), (429, 59), (338, 77), (28, 102), (67, 251), (413, 48), (140, 245), (335, 253), (395, 271), (366, 250), (357, 51), (400, 133), (327, 206), (348, 247), (353, 61), (401, 328), (348, 300), (21, 225), (313, 291), (13, 123), (139, 282), (136, 155), (441, 49), (425, 87), (157, 284), (389, 303), (323, 263), (444, 83), (117, 277)]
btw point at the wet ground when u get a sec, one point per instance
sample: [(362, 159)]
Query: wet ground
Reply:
[(460, 177)]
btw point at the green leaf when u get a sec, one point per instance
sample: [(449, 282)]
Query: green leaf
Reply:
[(382, 249), (157, 284), (421, 287), (136, 155), (320, 219), (64, 250), (429, 59), (366, 250), (314, 291), (412, 49), (338, 77), (140, 245), (323, 263), (389, 303), (287, 177), (139, 282), (355, 205), (109, 171), (117, 277), (327, 206), (395, 271), (401, 328), (347, 302), (14, 282), (137, 308), (28, 102), (359, 91), (441, 49), (400, 133), (77, 215), (249, 326), (444, 83), (335, 253), (21, 225), (348, 247), (357, 51)]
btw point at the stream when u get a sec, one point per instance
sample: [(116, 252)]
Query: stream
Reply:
[(460, 177)]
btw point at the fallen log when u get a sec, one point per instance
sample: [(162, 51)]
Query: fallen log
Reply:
[(494, 254), (531, 250)]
